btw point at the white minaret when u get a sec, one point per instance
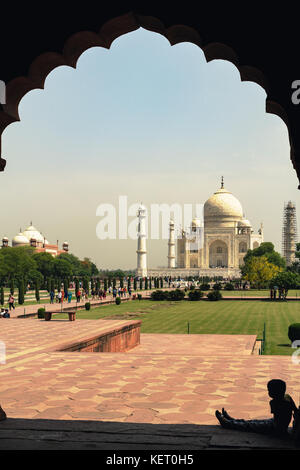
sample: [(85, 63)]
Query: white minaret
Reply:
[(141, 248), (171, 245)]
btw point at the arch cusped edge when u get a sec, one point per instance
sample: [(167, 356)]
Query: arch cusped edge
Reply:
[(81, 41)]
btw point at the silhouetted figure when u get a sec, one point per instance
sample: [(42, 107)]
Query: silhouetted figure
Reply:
[(2, 414), (282, 407)]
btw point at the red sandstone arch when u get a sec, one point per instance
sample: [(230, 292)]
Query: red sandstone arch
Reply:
[(79, 42)]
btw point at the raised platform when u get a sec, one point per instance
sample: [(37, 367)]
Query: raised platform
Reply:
[(167, 380), (40, 434)]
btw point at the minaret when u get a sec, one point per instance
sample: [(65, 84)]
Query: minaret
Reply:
[(171, 245), (141, 248), (289, 233)]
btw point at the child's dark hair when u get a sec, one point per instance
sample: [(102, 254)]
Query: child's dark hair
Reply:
[(276, 388)]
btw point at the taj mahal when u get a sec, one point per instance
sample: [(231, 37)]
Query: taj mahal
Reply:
[(214, 245)]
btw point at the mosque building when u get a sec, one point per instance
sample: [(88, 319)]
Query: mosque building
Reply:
[(32, 237), (214, 245)]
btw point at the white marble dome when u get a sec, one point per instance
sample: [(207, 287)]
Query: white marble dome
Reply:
[(19, 240), (223, 205), (32, 233)]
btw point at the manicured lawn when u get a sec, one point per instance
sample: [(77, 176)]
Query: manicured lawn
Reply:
[(256, 293), (222, 317)]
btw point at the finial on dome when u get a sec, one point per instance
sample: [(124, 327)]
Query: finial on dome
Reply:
[(222, 182)]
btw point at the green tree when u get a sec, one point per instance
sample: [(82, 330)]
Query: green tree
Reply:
[(16, 262), (61, 268), (85, 285), (21, 296), (37, 291), (2, 295), (44, 262), (259, 271), (266, 249), (285, 280)]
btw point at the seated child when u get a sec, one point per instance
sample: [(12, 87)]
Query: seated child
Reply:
[(2, 414), (282, 408)]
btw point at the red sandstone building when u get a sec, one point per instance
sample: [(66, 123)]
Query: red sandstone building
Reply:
[(32, 237)]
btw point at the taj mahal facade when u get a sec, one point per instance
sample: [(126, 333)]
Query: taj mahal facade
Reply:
[(214, 245)]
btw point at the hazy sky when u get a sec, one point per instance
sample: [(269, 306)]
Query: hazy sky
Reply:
[(150, 121)]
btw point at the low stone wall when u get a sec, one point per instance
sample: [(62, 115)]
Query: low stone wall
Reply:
[(118, 340)]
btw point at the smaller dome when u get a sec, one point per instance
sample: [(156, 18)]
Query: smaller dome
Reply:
[(196, 222), (65, 243), (244, 223), (20, 239), (5, 239), (32, 233)]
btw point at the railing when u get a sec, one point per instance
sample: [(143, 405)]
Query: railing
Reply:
[(263, 342)]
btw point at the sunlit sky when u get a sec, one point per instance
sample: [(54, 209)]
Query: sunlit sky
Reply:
[(150, 121)]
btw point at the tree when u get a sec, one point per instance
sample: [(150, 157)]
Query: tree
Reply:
[(37, 291), (16, 262), (266, 249), (44, 262), (2, 295), (259, 271), (285, 280), (21, 291), (61, 268)]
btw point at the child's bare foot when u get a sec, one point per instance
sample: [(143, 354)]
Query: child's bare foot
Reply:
[(2, 414), (226, 415)]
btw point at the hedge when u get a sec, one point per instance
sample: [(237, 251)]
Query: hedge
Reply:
[(294, 332), (214, 295)]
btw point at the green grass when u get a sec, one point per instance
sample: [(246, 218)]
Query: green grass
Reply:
[(256, 293), (222, 317)]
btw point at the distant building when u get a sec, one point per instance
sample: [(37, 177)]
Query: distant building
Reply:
[(32, 237), (213, 246), (289, 233)]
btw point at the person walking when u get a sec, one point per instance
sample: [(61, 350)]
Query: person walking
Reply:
[(51, 296), (11, 302)]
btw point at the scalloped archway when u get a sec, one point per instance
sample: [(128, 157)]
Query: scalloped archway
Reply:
[(79, 42)]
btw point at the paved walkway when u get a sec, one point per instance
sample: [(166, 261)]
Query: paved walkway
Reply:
[(56, 307), (168, 379)]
